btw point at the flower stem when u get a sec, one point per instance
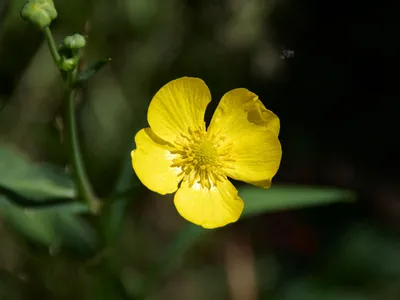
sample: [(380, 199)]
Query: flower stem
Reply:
[(84, 189), (52, 45), (82, 182)]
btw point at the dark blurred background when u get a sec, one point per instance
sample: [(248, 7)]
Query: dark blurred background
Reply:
[(322, 66)]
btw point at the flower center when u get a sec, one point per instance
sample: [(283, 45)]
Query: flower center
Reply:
[(204, 153), (201, 157)]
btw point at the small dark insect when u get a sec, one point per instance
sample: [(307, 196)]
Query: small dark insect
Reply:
[(287, 53)]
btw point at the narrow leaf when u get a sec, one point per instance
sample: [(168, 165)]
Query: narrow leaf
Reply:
[(282, 197), (91, 70)]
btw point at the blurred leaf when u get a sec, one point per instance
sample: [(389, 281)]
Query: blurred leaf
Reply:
[(54, 229), (74, 233), (34, 224), (366, 255), (62, 204), (92, 70), (36, 181), (307, 289), (44, 210), (282, 197)]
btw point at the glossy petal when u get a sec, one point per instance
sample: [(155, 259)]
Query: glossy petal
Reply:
[(178, 105), (256, 158), (210, 208), (252, 132), (151, 161), (244, 107)]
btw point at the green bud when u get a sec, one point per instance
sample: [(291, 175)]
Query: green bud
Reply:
[(74, 42), (68, 64), (39, 12)]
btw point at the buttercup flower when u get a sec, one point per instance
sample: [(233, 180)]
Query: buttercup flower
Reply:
[(177, 153)]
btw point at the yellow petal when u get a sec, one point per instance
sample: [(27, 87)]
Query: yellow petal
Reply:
[(151, 161), (178, 105), (254, 158), (265, 184), (210, 208), (244, 107), (252, 132)]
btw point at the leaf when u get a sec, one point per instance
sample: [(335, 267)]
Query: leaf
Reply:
[(282, 197), (36, 181), (37, 202), (91, 70), (64, 204), (36, 226), (55, 229)]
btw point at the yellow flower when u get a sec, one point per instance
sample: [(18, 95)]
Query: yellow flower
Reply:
[(177, 153)]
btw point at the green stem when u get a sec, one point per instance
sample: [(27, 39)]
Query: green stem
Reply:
[(82, 182), (52, 45)]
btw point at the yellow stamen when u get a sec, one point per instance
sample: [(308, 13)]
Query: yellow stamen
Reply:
[(201, 157)]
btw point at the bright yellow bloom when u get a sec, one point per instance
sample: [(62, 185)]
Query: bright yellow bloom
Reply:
[(241, 142)]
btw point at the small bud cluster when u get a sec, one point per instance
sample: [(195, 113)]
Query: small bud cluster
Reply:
[(41, 13), (70, 51)]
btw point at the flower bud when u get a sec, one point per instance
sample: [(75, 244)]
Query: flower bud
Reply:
[(68, 64), (74, 42), (39, 12)]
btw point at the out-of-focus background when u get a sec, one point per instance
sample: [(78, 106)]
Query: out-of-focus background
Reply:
[(329, 228)]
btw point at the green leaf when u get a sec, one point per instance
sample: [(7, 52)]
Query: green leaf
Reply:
[(33, 224), (54, 229), (282, 197), (37, 202), (63, 204), (91, 70), (36, 181)]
